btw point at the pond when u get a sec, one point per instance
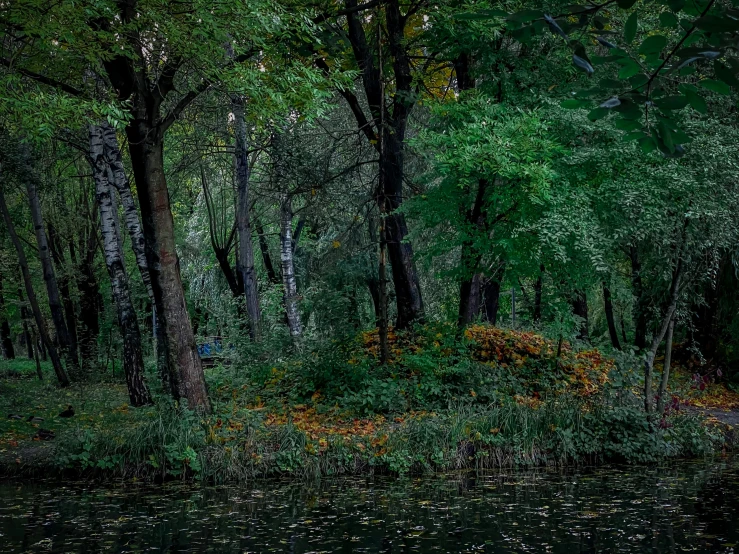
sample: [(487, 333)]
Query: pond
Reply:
[(684, 507)]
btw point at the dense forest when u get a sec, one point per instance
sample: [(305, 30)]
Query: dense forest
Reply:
[(331, 211)]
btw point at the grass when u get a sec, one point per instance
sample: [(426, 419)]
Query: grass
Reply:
[(435, 409)]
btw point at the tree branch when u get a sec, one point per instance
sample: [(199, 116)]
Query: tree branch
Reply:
[(42, 78)]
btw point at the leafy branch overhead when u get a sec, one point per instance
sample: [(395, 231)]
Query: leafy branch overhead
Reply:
[(647, 61)]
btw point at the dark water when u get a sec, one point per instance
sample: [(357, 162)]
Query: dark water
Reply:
[(687, 507)]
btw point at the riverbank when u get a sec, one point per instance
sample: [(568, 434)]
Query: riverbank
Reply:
[(497, 402)]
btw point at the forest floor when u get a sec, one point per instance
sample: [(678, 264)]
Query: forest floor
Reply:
[(542, 418)]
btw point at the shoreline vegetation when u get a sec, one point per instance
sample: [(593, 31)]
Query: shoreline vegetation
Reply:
[(493, 398)]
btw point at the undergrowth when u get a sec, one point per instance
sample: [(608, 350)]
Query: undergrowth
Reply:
[(489, 399)]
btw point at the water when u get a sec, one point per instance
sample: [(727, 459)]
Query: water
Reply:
[(686, 507)]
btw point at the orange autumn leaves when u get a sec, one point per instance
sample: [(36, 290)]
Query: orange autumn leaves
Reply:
[(520, 352), (586, 371)]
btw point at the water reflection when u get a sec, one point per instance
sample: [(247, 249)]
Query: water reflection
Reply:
[(688, 507)]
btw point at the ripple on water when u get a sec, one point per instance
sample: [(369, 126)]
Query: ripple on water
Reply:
[(685, 507)]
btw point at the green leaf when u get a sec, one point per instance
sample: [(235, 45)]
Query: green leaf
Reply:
[(672, 102), (668, 19), (653, 44), (715, 86), (666, 136), (526, 15), (726, 74), (717, 24), (634, 135), (647, 144), (625, 4), (482, 14), (697, 102), (638, 80), (628, 124), (598, 113), (630, 28), (572, 104), (629, 70)]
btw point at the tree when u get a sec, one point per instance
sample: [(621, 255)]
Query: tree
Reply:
[(133, 360)]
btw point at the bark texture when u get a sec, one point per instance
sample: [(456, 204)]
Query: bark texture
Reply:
[(580, 309), (70, 313), (52, 286), (470, 293), (133, 360), (245, 259), (612, 331), (6, 340), (288, 270), (659, 335), (179, 362), (640, 312), (40, 323), (391, 134)]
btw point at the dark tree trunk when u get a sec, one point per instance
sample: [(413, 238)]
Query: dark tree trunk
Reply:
[(537, 295), (222, 257), (400, 252), (40, 323), (612, 331), (133, 360), (24, 318), (266, 256), (470, 296), (491, 298), (580, 309), (40, 345), (90, 299), (6, 340), (667, 325), (640, 312), (52, 286), (662, 394), (469, 289), (70, 314), (387, 127), (35, 357), (183, 373), (178, 358), (245, 259)]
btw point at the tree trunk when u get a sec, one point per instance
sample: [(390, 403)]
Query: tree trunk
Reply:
[(580, 309), (400, 252), (35, 357), (652, 353), (90, 300), (661, 396), (612, 331), (640, 314), (52, 287), (491, 298), (537, 295), (70, 314), (266, 256), (130, 217), (183, 372), (133, 361), (390, 125), (470, 296), (41, 346), (6, 339), (24, 320), (288, 271), (40, 324), (469, 289)]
